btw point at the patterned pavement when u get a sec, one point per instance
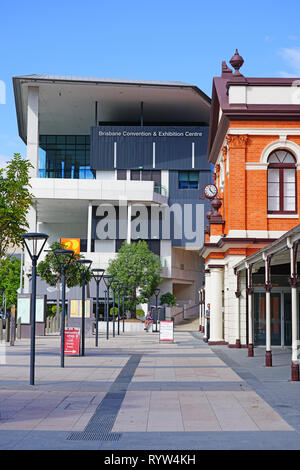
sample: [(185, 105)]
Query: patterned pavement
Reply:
[(135, 393)]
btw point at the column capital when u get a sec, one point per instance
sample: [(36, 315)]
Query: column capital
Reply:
[(268, 286), (237, 141), (293, 281)]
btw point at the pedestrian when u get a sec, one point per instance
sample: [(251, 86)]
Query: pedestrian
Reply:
[(148, 320), (207, 317)]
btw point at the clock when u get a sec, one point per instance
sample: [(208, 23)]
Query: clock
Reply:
[(210, 191)]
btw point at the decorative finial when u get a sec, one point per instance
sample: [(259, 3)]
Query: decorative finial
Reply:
[(236, 61)]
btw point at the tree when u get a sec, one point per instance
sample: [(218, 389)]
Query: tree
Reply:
[(9, 279), (139, 269), (168, 299), (50, 270), (15, 201)]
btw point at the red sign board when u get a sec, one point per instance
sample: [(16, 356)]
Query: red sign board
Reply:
[(72, 341)]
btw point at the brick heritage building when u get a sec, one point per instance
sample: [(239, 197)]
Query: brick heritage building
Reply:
[(254, 144)]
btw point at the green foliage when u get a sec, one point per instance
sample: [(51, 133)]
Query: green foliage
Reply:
[(9, 279), (15, 201), (140, 313), (139, 269), (168, 299), (111, 311), (50, 270)]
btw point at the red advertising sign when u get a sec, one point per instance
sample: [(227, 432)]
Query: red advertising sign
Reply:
[(72, 341)]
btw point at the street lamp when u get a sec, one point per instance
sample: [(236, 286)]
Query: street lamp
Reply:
[(85, 265), (156, 293), (64, 258), (98, 275), (115, 286), (34, 243), (108, 281)]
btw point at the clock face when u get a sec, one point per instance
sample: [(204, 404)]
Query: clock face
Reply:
[(210, 191)]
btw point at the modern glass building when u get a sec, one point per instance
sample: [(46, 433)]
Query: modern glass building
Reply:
[(123, 154)]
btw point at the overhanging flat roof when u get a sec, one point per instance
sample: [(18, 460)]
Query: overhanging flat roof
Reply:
[(67, 104)]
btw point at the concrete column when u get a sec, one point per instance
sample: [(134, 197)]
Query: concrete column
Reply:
[(89, 228), (268, 287), (293, 280), (129, 223), (207, 301), (216, 314), (249, 291), (33, 129), (250, 322), (237, 308)]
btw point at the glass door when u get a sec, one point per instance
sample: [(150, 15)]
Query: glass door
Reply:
[(260, 318)]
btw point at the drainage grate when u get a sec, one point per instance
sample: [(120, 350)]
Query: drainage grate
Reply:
[(88, 436), (101, 423)]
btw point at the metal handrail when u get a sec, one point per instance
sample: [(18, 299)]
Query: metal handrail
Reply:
[(184, 310)]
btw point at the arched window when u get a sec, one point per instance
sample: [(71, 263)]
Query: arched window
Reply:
[(281, 182)]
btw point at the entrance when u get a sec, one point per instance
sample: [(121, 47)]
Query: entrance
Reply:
[(260, 319), (281, 317)]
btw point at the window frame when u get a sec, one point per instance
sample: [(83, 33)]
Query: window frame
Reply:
[(282, 167)]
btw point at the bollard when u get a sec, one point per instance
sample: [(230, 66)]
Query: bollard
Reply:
[(7, 329), (12, 330), (19, 328), (1, 329), (53, 325), (47, 325)]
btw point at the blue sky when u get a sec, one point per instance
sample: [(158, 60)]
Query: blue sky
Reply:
[(155, 40)]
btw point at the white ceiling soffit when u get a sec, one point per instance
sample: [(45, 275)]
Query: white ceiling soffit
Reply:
[(69, 107)]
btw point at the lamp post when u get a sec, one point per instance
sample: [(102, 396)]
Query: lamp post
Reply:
[(108, 281), (115, 285), (85, 265), (34, 243), (156, 293), (64, 258), (98, 275), (119, 290)]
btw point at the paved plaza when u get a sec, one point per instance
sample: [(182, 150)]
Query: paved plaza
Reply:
[(135, 393)]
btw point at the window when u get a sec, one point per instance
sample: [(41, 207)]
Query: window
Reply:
[(188, 179), (65, 156), (121, 174), (281, 182), (146, 175)]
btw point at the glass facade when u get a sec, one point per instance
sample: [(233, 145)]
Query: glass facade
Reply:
[(65, 156)]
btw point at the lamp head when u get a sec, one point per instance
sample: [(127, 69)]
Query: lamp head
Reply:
[(156, 292), (84, 264), (98, 274), (108, 280), (34, 243), (62, 256)]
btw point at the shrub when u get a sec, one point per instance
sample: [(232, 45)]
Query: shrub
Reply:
[(140, 313), (168, 299)]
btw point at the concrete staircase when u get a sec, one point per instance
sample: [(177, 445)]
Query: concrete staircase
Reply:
[(189, 324)]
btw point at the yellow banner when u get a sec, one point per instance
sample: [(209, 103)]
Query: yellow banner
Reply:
[(71, 244)]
